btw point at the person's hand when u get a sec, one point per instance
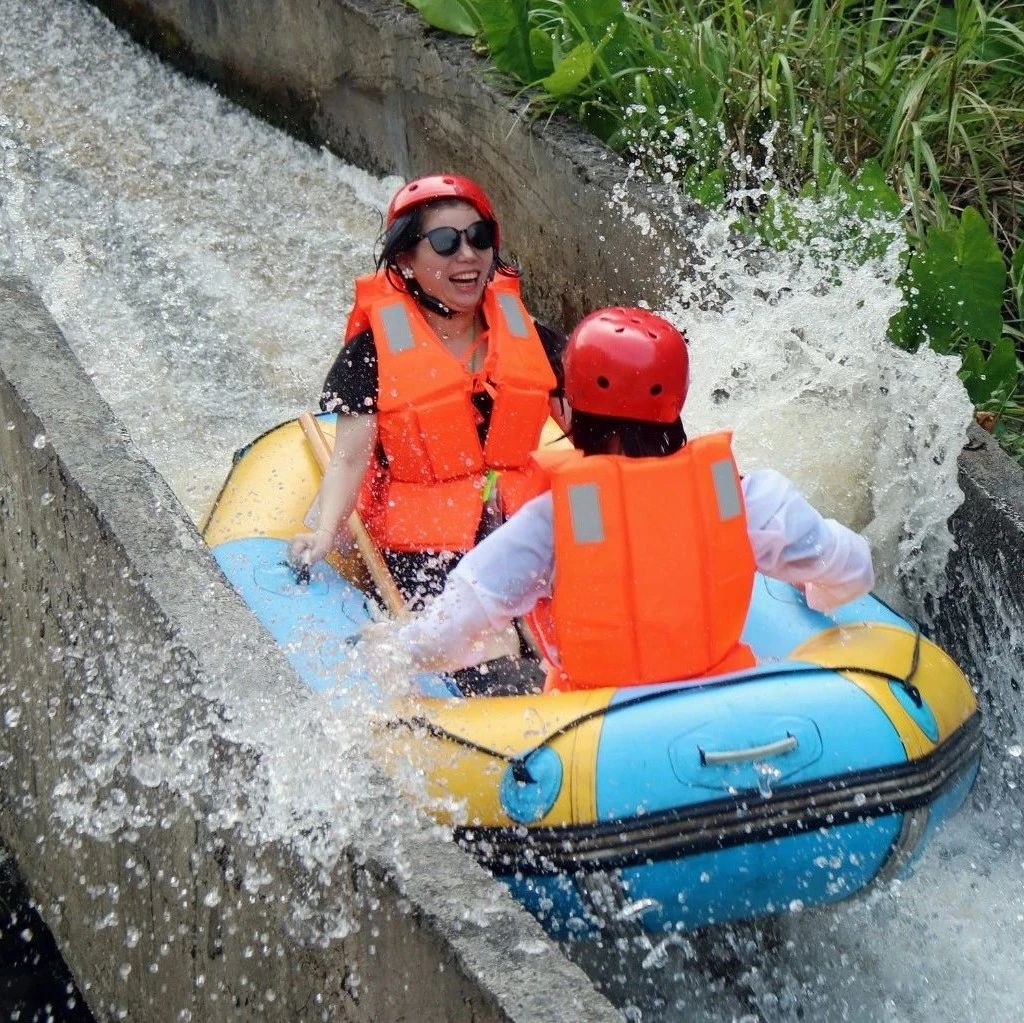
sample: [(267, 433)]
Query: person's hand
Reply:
[(308, 548)]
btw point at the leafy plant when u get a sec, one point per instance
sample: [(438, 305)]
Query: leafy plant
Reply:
[(878, 112)]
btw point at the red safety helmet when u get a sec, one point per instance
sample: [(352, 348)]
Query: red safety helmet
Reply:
[(442, 186), (627, 364)]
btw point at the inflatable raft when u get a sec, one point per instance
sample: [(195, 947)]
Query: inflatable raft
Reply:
[(800, 782)]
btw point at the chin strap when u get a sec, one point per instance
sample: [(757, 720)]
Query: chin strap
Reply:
[(435, 305)]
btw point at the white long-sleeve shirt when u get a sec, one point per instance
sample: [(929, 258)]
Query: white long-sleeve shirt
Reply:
[(505, 575)]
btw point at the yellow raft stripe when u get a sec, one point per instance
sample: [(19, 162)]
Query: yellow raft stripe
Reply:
[(463, 784), (268, 493), (269, 490), (888, 649)]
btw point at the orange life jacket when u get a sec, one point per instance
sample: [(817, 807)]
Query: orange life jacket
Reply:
[(653, 567), (428, 496)]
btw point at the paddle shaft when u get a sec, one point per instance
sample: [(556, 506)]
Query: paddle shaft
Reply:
[(375, 564)]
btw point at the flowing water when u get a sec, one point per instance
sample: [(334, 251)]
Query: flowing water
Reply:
[(201, 263)]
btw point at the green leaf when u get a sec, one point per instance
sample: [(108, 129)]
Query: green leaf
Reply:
[(711, 190), (972, 373), (1017, 278), (959, 278), (872, 195), (778, 224), (596, 16), (993, 380), (904, 330), (571, 71), (505, 27), (1001, 370), (447, 15), (541, 51)]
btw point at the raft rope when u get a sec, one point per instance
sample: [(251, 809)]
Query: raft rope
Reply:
[(518, 762)]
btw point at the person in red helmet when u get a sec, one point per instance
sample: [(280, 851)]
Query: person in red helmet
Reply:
[(636, 563), (441, 388)]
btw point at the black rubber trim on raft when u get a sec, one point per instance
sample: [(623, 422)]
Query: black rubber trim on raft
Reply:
[(743, 819)]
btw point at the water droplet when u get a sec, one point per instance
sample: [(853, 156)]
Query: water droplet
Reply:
[(1015, 750), (46, 499), (767, 774), (147, 770), (40, 441), (12, 716), (211, 898)]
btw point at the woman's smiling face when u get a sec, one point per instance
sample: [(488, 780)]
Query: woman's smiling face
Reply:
[(457, 280)]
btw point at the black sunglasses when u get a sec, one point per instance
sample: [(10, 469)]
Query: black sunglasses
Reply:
[(445, 241)]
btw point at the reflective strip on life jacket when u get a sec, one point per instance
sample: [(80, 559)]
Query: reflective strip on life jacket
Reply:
[(653, 567), (429, 495)]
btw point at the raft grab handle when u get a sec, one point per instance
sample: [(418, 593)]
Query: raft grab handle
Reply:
[(735, 756)]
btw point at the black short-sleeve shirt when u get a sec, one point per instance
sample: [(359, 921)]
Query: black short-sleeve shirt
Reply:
[(351, 384)]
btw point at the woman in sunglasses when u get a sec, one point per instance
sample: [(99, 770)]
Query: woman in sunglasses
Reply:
[(442, 388)]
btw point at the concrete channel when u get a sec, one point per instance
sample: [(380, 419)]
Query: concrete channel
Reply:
[(93, 538), (110, 605)]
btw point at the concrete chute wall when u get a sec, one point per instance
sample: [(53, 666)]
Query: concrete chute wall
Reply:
[(119, 638)]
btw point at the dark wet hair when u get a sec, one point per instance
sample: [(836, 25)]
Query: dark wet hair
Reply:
[(404, 234), (592, 434)]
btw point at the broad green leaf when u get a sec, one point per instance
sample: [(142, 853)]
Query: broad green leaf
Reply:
[(541, 51), (777, 223), (990, 380), (904, 330), (596, 16), (711, 190), (972, 373), (1001, 370), (872, 195), (945, 22), (505, 27), (959, 278), (571, 71), (810, 190), (701, 99), (447, 15), (617, 51)]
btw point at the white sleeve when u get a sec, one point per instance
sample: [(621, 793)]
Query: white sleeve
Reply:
[(794, 543), (501, 578)]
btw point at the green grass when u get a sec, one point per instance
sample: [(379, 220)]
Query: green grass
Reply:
[(907, 109)]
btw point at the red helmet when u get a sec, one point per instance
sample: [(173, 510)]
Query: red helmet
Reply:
[(442, 186), (628, 364)]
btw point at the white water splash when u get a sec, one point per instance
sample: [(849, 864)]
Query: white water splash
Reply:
[(200, 262), (789, 349)]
